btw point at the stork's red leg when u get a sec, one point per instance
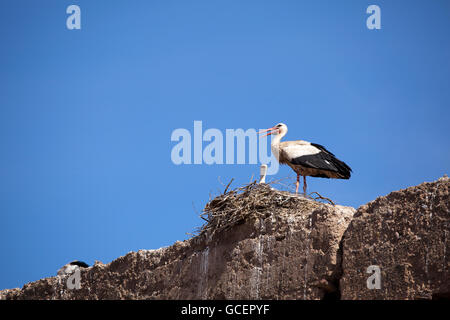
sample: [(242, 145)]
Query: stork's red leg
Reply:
[(304, 185), (298, 183)]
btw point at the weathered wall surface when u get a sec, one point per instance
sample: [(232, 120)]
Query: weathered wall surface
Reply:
[(291, 248), (406, 234), (287, 252)]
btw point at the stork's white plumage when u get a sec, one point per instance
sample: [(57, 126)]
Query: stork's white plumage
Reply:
[(306, 158), (71, 267)]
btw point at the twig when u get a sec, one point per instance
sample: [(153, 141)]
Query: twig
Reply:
[(322, 198), (225, 191)]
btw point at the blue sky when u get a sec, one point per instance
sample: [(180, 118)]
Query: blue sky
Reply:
[(86, 115)]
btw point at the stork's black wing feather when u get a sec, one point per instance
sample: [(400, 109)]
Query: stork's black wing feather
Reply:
[(79, 263), (324, 160), (322, 148)]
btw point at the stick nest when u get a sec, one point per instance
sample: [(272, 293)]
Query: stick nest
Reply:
[(253, 200)]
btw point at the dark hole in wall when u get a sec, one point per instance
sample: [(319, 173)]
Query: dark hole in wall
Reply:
[(332, 295), (335, 293)]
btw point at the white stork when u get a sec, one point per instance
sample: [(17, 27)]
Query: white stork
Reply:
[(306, 158)]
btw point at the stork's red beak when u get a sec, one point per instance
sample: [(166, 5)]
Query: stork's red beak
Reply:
[(271, 130)]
